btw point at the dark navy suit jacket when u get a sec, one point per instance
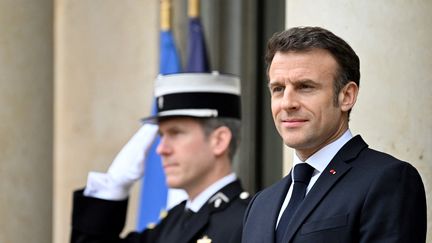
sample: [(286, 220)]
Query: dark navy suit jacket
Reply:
[(372, 197)]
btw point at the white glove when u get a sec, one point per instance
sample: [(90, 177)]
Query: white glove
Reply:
[(126, 168), (128, 165)]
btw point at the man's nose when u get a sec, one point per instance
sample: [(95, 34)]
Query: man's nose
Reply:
[(163, 147), (289, 100)]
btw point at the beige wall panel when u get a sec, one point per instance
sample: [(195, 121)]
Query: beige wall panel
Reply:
[(106, 61), (392, 38), (25, 121)]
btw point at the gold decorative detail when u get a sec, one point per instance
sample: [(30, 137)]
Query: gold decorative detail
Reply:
[(193, 8), (165, 15), (205, 239), (151, 225), (163, 213)]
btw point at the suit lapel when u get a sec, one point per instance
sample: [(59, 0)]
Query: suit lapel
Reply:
[(324, 183), (336, 169), (260, 226), (273, 211)]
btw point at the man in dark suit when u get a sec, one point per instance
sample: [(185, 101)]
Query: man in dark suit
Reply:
[(199, 122), (339, 189)]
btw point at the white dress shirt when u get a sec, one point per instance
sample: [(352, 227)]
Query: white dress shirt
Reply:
[(319, 161)]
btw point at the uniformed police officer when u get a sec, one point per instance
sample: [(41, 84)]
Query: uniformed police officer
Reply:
[(198, 119)]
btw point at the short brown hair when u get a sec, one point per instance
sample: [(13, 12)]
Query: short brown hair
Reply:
[(234, 125), (303, 39)]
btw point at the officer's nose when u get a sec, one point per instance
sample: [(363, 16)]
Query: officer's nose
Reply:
[(163, 147)]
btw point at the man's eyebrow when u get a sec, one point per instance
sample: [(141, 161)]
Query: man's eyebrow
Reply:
[(272, 82), (173, 128), (305, 81)]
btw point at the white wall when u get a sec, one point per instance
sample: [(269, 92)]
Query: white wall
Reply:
[(392, 38)]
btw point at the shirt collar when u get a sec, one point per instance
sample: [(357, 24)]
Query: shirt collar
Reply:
[(205, 195), (320, 159)]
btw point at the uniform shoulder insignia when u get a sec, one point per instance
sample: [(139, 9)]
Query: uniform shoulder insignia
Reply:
[(244, 195), (218, 198), (163, 214), (151, 225)]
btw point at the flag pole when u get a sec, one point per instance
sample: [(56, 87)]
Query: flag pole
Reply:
[(165, 15), (193, 8)]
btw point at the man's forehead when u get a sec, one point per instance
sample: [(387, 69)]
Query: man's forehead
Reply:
[(294, 66)]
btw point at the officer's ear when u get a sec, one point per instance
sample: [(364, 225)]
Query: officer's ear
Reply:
[(220, 140)]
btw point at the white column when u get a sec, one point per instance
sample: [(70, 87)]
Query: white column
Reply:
[(26, 114), (106, 61)]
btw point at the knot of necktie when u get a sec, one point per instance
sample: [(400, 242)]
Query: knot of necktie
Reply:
[(303, 173)]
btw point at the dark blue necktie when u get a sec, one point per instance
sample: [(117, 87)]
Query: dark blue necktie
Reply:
[(302, 176)]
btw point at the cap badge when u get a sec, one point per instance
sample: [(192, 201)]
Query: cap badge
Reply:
[(160, 102)]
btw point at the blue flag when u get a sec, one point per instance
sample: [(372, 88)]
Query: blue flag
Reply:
[(154, 191), (169, 59), (197, 53)]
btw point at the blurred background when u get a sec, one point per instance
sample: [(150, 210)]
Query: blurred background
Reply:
[(76, 76)]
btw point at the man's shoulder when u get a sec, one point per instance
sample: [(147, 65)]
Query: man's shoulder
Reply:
[(373, 157), (358, 150), (375, 162), (270, 193)]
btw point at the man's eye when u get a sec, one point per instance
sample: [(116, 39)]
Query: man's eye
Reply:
[(176, 132), (305, 86), (277, 89)]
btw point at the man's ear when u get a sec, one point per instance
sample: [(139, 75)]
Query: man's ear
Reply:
[(348, 96), (220, 140)]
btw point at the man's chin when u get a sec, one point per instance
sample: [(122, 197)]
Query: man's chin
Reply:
[(173, 184), (293, 142)]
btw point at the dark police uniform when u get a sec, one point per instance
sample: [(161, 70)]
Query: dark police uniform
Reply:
[(218, 221)]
